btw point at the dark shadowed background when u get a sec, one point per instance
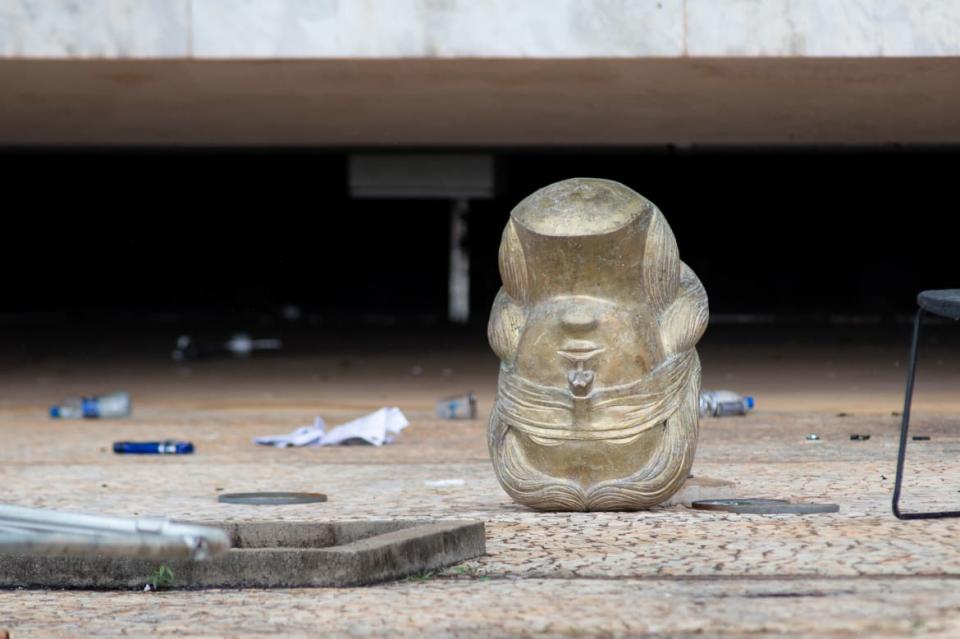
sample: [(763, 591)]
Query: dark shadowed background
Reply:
[(799, 234)]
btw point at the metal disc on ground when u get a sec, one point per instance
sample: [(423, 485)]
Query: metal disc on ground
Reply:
[(724, 504), (763, 507), (271, 499)]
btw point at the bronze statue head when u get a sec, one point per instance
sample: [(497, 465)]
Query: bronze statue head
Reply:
[(595, 326)]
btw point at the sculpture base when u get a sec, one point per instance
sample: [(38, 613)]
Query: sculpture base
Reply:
[(698, 488)]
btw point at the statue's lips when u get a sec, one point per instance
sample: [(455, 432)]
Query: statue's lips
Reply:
[(580, 350)]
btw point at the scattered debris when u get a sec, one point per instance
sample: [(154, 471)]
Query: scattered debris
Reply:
[(377, 428), (720, 403), (443, 483), (813, 437), (238, 345), (111, 405), (921, 438), (763, 507), (859, 438), (459, 407), (168, 447), (271, 498), (241, 344)]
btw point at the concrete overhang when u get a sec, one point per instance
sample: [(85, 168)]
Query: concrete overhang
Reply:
[(481, 103)]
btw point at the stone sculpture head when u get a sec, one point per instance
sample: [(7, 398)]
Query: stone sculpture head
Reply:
[(595, 327)]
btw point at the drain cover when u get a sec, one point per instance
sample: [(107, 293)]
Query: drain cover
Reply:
[(763, 507), (271, 499)]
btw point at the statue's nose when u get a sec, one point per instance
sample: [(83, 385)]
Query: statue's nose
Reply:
[(578, 320)]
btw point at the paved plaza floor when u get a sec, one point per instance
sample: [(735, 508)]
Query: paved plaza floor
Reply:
[(667, 572)]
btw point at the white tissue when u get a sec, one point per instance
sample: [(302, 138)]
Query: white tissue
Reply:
[(378, 428)]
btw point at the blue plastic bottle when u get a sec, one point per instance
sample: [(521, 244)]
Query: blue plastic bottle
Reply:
[(719, 403), (98, 406)]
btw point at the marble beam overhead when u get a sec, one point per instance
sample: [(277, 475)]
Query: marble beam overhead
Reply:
[(425, 29)]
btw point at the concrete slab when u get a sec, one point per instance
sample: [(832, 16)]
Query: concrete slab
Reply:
[(273, 554)]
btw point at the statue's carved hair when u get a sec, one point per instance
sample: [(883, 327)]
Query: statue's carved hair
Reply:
[(513, 265), (673, 290), (661, 263), (508, 316)]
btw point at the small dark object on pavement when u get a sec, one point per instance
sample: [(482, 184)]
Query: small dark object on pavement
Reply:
[(271, 499), (859, 438), (843, 414), (763, 507), (921, 438)]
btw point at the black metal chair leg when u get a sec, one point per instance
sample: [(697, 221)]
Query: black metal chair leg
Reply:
[(904, 428)]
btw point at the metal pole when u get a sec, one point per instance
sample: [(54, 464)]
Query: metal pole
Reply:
[(904, 431), (905, 417), (50, 532)]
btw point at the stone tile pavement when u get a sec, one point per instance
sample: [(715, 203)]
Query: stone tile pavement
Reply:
[(670, 571)]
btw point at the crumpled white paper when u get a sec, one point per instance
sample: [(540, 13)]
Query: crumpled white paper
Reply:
[(444, 483), (378, 428)]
